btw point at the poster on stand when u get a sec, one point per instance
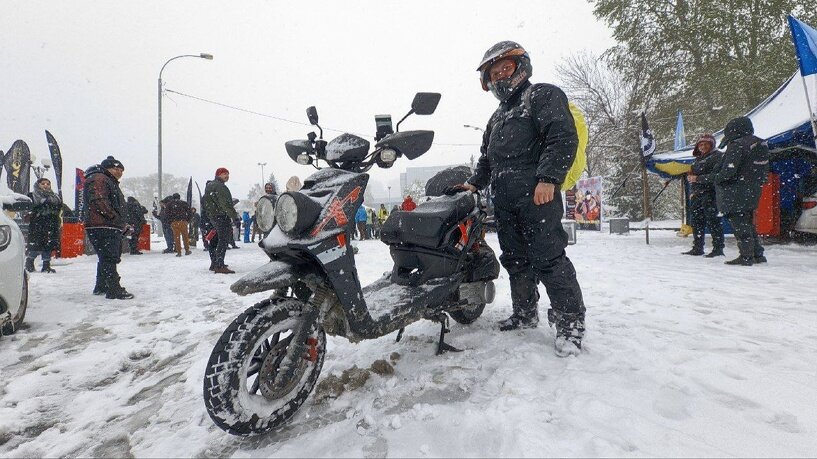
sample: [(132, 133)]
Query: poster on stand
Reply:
[(588, 208)]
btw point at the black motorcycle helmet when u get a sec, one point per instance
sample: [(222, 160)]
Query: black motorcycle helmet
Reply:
[(504, 89)]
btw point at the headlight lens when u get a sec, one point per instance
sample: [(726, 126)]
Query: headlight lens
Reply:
[(265, 214), (388, 155), (286, 212), (303, 159), (5, 236)]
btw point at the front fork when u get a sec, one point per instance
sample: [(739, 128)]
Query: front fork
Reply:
[(300, 347)]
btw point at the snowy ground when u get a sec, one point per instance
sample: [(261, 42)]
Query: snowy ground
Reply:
[(683, 357)]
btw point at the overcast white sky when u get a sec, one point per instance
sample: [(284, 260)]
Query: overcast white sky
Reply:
[(87, 71)]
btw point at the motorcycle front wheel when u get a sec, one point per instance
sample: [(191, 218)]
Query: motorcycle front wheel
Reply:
[(241, 393)]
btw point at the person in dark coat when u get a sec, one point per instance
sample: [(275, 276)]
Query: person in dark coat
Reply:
[(217, 202), (105, 224), (195, 223), (178, 214), (44, 228), (527, 148), (167, 230), (738, 181), (703, 210), (136, 218)]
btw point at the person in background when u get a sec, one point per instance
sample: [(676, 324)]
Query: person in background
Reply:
[(194, 224), (703, 210), (44, 229), (247, 221), (369, 224), (178, 214), (167, 231), (255, 230), (236, 229), (408, 204), (217, 204), (382, 214), (136, 218), (738, 180), (105, 224), (360, 220)]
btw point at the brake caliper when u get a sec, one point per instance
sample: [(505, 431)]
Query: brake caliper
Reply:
[(311, 350)]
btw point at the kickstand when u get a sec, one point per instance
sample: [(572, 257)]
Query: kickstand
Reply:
[(442, 346), (399, 335)]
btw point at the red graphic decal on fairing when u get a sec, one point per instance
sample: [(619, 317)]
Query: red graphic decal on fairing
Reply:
[(336, 212)]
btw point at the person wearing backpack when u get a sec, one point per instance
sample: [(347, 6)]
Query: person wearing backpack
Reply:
[(529, 146), (738, 180)]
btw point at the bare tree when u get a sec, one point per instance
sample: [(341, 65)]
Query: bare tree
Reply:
[(611, 107)]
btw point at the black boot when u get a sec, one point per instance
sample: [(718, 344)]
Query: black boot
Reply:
[(47, 267), (516, 321), (569, 332), (524, 296), (116, 291), (714, 253), (695, 251), (741, 261), (760, 259), (30, 265)]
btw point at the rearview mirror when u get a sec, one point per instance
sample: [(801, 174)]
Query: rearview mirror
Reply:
[(312, 114), (425, 103), (18, 206)]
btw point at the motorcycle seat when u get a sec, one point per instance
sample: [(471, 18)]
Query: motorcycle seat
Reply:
[(427, 225)]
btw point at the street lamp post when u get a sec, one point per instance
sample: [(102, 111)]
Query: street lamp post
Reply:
[(209, 57), (387, 205), (262, 175)]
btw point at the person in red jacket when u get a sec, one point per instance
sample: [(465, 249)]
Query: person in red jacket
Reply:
[(408, 204)]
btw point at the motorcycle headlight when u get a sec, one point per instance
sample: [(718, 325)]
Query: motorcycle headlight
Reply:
[(303, 159), (388, 155), (296, 212), (265, 214), (5, 236)]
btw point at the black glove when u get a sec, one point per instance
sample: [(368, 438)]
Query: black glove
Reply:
[(452, 190)]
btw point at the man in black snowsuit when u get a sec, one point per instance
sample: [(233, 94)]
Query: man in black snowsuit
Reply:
[(703, 211), (105, 224), (195, 223), (527, 148), (136, 218), (738, 181)]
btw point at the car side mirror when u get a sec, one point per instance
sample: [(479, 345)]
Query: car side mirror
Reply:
[(18, 206), (312, 114)]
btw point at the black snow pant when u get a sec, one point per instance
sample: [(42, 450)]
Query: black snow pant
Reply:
[(108, 245), (134, 237), (224, 236), (703, 216), (743, 226), (533, 249)]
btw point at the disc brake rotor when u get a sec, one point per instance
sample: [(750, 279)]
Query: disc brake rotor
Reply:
[(270, 369)]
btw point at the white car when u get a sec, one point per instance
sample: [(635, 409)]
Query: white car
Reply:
[(807, 223), (13, 278)]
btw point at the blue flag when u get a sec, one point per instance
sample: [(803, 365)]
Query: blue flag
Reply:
[(805, 45), (680, 134)]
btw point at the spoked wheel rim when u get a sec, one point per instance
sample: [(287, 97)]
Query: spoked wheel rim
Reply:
[(262, 366)]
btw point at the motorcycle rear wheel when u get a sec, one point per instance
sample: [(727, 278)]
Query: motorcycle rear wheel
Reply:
[(239, 393)]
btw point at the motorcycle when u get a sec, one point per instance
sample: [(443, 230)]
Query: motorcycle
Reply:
[(268, 360)]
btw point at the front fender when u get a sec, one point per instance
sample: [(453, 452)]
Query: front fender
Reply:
[(275, 274)]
